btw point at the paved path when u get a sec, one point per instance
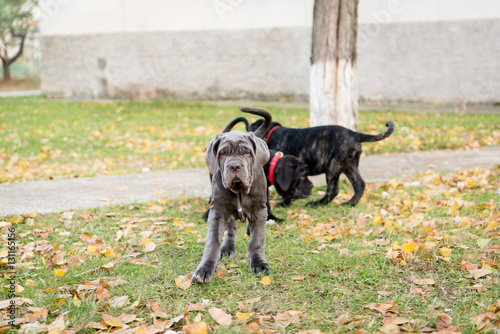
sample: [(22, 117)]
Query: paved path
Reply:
[(20, 93), (81, 193)]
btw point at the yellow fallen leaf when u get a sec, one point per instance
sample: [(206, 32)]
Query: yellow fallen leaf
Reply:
[(409, 247), (91, 249), (265, 280), (111, 321), (445, 251), (110, 252), (465, 222), (244, 316), (59, 272), (195, 328), (491, 225), (377, 219)]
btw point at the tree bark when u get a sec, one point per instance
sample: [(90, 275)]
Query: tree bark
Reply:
[(6, 71), (333, 80), (6, 61)]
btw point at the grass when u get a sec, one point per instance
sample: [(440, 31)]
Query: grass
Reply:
[(50, 139), (344, 269)]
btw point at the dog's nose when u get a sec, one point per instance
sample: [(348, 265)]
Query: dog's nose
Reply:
[(234, 167)]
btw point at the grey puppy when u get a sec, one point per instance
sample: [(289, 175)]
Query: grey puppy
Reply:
[(239, 188)]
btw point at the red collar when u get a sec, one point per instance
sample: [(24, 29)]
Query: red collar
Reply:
[(276, 157), (270, 132)]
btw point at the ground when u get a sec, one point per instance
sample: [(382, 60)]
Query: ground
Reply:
[(418, 254)]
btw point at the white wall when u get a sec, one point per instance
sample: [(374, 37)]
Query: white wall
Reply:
[(76, 17)]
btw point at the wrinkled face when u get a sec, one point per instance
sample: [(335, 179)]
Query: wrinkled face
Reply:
[(235, 159)]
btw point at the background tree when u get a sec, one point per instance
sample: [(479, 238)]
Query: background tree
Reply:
[(334, 87), (16, 25)]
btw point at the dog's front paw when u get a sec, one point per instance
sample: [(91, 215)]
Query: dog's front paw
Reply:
[(313, 204), (204, 272), (259, 266), (350, 203), (227, 251)]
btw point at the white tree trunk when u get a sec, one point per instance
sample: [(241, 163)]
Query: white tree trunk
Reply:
[(333, 80)]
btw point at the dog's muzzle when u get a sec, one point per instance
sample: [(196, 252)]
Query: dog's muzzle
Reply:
[(236, 177)]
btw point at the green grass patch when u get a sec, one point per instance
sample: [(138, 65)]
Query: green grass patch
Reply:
[(416, 249), (51, 139)]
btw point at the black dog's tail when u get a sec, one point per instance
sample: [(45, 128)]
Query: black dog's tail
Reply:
[(262, 130), (236, 121), (362, 137)]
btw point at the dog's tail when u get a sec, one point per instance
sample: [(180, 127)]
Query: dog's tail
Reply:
[(236, 121), (362, 137), (262, 130)]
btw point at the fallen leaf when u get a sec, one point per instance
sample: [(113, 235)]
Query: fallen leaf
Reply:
[(149, 246), (221, 317), (118, 302), (244, 316), (483, 243), (183, 282), (59, 272), (285, 318), (195, 328), (57, 326), (409, 247), (478, 273), (221, 273), (344, 318), (445, 251), (443, 321), (395, 321), (195, 307), (298, 277), (111, 321), (385, 308), (265, 280), (390, 329), (102, 293), (425, 281)]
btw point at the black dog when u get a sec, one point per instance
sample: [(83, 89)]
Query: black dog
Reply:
[(329, 149), (287, 173)]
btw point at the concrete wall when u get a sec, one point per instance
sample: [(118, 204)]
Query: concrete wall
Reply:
[(425, 50)]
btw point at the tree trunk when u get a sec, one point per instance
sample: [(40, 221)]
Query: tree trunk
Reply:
[(333, 81), (6, 71)]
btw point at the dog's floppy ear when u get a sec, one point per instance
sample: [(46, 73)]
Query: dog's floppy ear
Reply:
[(285, 175), (260, 150), (211, 154)]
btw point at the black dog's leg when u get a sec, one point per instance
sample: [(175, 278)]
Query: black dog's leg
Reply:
[(357, 182), (285, 202), (332, 186), (269, 213), (205, 215)]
